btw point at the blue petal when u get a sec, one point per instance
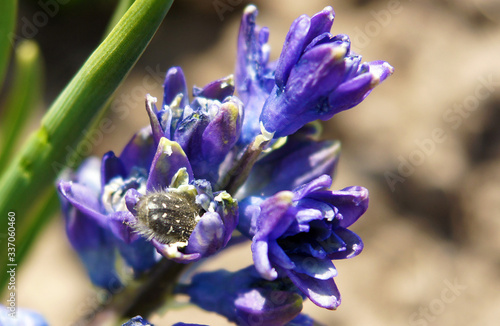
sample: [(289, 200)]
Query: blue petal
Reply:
[(83, 199), (302, 320), (260, 254), (327, 211), (169, 158), (258, 305), (216, 90), (249, 212), (334, 246), (96, 248), (321, 269), (89, 175), (303, 164), (22, 317), (353, 91), (175, 84), (218, 138), (252, 56), (244, 297), (295, 43), (139, 151), (111, 167), (353, 245), (152, 111), (351, 203), (137, 321), (279, 257), (139, 254), (319, 183), (227, 208), (132, 197), (208, 235), (254, 76), (306, 246), (323, 293), (118, 225), (321, 23), (214, 291), (275, 216)]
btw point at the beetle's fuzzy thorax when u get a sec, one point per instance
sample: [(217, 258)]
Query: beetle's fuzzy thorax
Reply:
[(167, 216)]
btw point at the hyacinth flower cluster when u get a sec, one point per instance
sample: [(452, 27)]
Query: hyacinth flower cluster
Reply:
[(241, 158)]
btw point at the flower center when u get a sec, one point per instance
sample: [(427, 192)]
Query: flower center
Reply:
[(113, 196)]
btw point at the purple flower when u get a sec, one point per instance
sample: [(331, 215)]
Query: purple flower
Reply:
[(94, 210), (20, 317), (301, 159), (207, 128), (245, 298), (181, 216), (137, 321), (315, 77), (303, 320), (99, 202), (297, 234), (254, 74)]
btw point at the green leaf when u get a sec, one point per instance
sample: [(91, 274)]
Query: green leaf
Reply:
[(23, 97), (8, 12), (48, 149)]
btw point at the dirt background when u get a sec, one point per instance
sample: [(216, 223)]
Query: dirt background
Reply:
[(425, 143)]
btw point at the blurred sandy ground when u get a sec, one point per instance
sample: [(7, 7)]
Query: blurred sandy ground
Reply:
[(432, 234)]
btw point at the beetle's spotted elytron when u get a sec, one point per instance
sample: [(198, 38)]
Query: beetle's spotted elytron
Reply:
[(169, 217)]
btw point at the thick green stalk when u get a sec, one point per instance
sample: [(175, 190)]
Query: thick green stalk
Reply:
[(8, 12), (48, 150)]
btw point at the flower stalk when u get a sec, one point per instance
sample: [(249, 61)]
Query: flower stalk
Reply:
[(142, 297), (240, 171)]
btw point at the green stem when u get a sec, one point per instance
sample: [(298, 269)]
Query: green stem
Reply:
[(23, 97), (8, 13), (158, 288), (141, 297), (242, 168), (48, 150)]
